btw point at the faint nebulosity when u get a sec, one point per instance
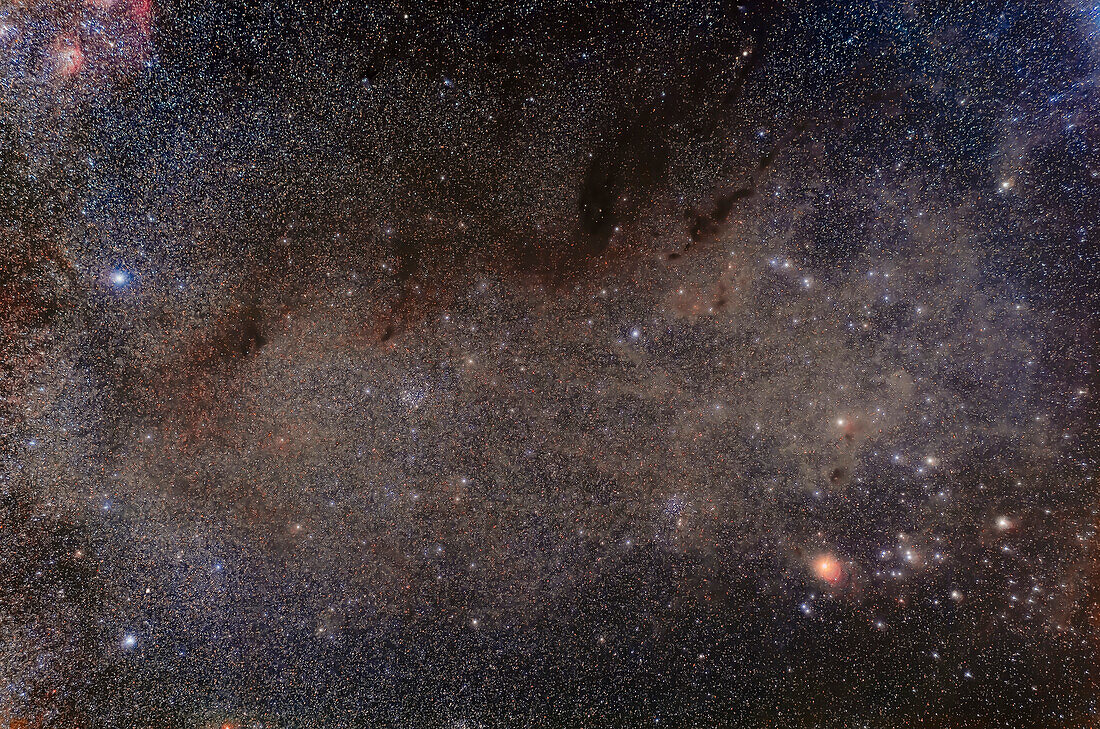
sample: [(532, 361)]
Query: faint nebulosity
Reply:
[(549, 364)]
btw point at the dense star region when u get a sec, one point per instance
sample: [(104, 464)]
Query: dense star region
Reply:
[(549, 364)]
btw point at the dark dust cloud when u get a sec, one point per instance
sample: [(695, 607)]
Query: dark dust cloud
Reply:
[(549, 364)]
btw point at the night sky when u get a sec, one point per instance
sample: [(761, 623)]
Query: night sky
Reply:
[(558, 363)]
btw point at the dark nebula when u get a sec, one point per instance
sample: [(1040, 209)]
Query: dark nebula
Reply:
[(549, 364)]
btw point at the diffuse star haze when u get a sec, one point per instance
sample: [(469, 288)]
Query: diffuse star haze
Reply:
[(584, 365)]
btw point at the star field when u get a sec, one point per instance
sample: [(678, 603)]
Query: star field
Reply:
[(549, 364)]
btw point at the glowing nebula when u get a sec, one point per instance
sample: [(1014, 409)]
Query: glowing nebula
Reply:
[(829, 569), (67, 56)]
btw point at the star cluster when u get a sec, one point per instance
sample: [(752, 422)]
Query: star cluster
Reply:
[(564, 364)]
